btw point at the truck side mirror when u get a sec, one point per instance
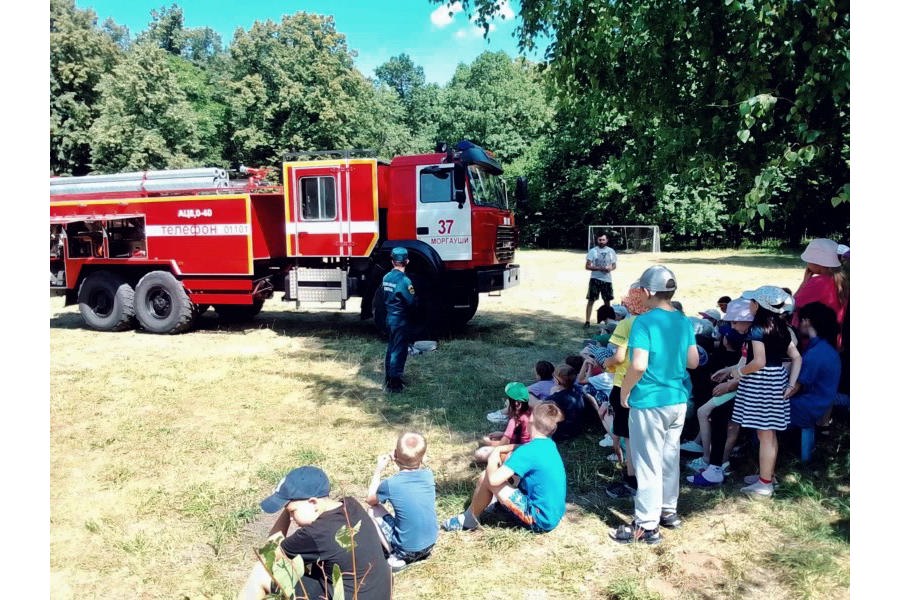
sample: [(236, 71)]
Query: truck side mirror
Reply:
[(459, 183), (521, 192)]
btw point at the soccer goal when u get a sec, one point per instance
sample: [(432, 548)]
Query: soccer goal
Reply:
[(627, 238)]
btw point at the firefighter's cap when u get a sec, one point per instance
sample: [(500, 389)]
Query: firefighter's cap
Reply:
[(399, 254)]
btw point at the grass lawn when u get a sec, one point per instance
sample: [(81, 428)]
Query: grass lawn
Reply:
[(161, 448)]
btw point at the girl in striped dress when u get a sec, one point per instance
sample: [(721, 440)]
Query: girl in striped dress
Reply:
[(764, 386)]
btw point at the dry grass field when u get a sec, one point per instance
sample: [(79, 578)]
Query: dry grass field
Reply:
[(162, 447)]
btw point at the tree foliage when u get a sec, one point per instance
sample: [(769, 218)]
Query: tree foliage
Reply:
[(146, 121), (499, 103), (704, 113), (81, 54), (401, 74), (294, 87)]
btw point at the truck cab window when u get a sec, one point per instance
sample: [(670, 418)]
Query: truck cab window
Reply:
[(317, 199), (435, 185), (487, 189)]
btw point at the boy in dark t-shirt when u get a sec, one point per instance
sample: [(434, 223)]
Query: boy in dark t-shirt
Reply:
[(570, 402), (303, 496)]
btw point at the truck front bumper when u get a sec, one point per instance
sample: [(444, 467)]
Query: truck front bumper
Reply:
[(499, 278)]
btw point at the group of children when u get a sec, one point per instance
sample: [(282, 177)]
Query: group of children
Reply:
[(763, 361), (382, 541)]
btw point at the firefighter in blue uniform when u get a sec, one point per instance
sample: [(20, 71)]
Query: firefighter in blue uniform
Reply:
[(399, 302)]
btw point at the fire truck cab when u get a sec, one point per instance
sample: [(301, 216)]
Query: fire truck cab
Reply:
[(157, 248)]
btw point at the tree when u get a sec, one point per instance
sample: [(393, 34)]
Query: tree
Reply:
[(118, 33), (294, 88), (166, 29), (422, 103), (401, 74), (201, 44), (205, 92), (738, 107), (80, 55), (499, 103), (145, 119)]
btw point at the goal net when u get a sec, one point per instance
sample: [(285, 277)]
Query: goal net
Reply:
[(627, 238)]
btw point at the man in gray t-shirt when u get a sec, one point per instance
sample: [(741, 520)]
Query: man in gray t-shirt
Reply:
[(601, 262)]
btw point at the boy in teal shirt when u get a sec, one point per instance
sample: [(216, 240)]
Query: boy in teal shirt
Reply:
[(538, 501), (662, 347)]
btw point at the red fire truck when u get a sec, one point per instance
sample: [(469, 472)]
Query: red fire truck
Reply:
[(157, 248)]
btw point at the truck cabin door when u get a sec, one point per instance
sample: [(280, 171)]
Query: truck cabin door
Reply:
[(331, 207), (440, 221)]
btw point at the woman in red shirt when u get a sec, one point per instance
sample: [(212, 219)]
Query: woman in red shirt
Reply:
[(823, 281)]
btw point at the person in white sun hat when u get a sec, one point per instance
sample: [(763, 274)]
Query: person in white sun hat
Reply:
[(823, 281), (764, 386)]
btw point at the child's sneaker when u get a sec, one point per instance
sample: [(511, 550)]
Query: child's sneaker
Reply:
[(396, 564), (629, 534), (751, 479), (498, 416), (613, 457), (670, 520), (707, 478), (455, 523), (606, 442), (698, 464), (692, 446), (620, 490), (759, 489)]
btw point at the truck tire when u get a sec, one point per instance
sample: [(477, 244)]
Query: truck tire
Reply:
[(106, 302), (236, 313), (458, 317), (162, 304), (379, 313)]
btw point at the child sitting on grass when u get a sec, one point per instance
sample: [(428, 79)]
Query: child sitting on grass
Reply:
[(303, 498), (538, 500), (410, 532), (516, 428), (570, 401), (539, 391)]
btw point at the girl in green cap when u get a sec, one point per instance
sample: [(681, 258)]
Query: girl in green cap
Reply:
[(516, 427)]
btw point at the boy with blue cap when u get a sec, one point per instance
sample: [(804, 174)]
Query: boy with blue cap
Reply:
[(302, 496), (399, 301)]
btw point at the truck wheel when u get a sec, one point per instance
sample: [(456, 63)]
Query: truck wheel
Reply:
[(460, 315), (431, 320), (235, 313), (379, 312), (106, 302), (162, 304)]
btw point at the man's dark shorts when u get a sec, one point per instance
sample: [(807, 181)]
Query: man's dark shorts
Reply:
[(598, 288), (620, 413)]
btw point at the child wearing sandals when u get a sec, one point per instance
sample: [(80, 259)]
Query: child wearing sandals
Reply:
[(516, 431), (764, 388)]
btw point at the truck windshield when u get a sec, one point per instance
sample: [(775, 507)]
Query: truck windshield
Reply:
[(487, 189)]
